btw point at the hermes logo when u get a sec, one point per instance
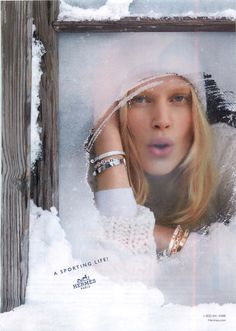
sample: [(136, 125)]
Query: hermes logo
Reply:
[(84, 282)]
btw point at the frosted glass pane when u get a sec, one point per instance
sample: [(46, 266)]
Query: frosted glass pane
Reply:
[(82, 75), (177, 7), (81, 9), (160, 6)]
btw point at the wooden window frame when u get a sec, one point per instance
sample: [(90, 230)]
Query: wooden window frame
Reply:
[(18, 183), (42, 185), (137, 24)]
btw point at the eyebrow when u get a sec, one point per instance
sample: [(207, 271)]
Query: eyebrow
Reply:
[(182, 89)]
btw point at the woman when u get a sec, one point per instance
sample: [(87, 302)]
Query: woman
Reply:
[(174, 158), (171, 165)]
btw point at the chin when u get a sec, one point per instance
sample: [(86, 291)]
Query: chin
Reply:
[(159, 172), (161, 169)]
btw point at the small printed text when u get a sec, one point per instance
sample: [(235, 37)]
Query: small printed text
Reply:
[(81, 266)]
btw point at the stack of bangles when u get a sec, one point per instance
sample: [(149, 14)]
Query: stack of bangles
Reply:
[(177, 241), (103, 162)]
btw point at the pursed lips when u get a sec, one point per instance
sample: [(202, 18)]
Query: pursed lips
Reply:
[(161, 147)]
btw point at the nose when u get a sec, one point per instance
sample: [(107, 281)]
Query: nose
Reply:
[(161, 117)]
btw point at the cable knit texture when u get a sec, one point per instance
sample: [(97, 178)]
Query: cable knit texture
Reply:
[(134, 234)]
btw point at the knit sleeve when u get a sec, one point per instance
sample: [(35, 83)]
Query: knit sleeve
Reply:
[(134, 234), (119, 202)]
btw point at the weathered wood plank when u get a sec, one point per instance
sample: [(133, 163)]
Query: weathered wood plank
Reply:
[(44, 179), (143, 24), (16, 104)]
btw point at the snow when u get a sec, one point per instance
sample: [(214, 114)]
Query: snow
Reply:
[(38, 51), (72, 10), (53, 304), (112, 9)]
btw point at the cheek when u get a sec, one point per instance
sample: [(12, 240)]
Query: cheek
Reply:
[(135, 124), (185, 121)]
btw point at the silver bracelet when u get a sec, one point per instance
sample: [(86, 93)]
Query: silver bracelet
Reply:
[(162, 254), (99, 163), (109, 164), (102, 156)]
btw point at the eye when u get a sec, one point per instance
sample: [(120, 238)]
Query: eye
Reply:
[(180, 98), (140, 99)]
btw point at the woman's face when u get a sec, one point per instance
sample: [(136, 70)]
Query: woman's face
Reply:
[(160, 121)]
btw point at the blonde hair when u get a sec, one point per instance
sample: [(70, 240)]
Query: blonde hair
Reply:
[(197, 170)]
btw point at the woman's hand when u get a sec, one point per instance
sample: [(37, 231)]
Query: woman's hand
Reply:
[(110, 140)]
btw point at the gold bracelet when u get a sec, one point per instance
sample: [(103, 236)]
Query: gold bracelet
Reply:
[(183, 240), (175, 247), (174, 242)]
